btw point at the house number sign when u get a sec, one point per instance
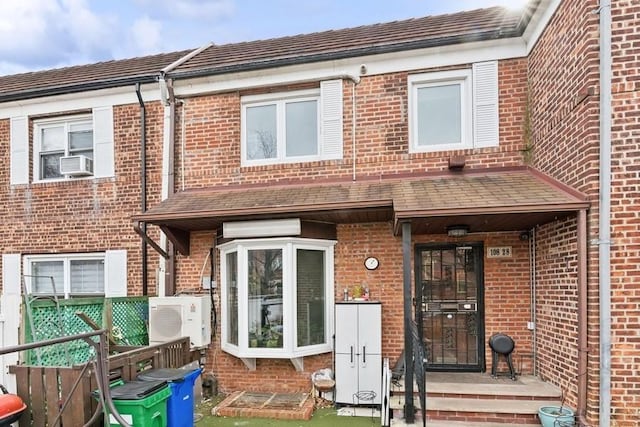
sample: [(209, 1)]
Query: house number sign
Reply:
[(499, 252)]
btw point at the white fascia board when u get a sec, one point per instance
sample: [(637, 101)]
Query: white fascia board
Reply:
[(539, 22), (78, 101), (419, 59)]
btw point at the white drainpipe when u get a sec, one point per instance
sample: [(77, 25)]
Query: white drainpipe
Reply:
[(604, 241)]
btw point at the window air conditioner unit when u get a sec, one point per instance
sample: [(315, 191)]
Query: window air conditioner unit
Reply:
[(171, 318), (76, 166)]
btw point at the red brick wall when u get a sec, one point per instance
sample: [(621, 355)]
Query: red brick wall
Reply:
[(625, 214), (212, 157), (84, 215), (563, 78), (507, 300), (212, 136)]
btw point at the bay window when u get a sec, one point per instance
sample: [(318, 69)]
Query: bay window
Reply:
[(277, 296)]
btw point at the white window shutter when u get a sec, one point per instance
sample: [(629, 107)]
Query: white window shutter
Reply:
[(485, 104), (115, 270), (103, 147), (11, 284), (19, 150), (331, 119)]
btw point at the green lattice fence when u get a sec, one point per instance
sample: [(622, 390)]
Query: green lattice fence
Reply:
[(130, 317), (125, 318)]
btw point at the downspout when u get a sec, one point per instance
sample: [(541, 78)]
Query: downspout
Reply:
[(534, 299), (582, 316), (143, 186), (604, 231), (168, 282), (409, 408), (353, 127)]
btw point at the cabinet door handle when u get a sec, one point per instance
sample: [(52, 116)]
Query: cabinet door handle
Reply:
[(351, 354), (364, 354)]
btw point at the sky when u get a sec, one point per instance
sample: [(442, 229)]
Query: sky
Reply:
[(45, 34)]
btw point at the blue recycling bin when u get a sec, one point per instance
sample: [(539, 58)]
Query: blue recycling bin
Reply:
[(181, 404)]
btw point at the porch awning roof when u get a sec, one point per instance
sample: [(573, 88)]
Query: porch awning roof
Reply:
[(485, 200)]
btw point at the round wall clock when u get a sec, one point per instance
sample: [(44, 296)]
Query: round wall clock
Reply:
[(371, 263)]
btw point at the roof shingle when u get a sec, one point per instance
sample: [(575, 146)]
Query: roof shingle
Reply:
[(407, 34)]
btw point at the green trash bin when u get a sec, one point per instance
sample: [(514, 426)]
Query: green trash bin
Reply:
[(140, 403)]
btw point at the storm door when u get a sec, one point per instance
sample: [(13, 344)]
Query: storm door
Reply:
[(449, 309)]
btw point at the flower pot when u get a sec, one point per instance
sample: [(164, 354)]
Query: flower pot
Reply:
[(556, 416)]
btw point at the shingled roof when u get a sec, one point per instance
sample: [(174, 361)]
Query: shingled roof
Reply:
[(438, 30), (487, 200), (480, 24)]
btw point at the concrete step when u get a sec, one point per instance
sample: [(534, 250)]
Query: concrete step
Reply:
[(493, 406), (401, 423), (482, 385)]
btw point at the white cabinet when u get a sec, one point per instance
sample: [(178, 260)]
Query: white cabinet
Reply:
[(358, 353)]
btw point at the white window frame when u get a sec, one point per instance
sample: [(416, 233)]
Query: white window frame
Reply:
[(66, 121), (289, 247), (280, 100), (64, 290), (442, 78)]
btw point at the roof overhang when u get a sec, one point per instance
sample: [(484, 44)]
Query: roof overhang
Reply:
[(488, 200)]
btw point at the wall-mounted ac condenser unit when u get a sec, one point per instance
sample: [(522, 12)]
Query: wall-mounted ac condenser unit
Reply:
[(171, 318)]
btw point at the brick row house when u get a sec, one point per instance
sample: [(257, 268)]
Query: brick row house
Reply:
[(450, 167)]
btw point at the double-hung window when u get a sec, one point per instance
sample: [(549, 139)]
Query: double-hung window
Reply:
[(62, 138), (453, 110), (277, 297), (66, 275), (296, 126), (280, 130)]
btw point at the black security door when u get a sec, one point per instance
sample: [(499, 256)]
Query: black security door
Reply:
[(449, 309)]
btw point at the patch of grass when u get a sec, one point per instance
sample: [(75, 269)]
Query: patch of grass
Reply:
[(322, 417)]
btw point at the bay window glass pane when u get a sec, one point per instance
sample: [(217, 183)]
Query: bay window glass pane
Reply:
[(46, 275), (261, 132), (50, 165), (310, 291), (264, 275), (439, 115), (87, 276), (232, 298), (302, 128)]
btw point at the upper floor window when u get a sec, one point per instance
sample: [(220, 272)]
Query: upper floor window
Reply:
[(59, 148), (292, 126), (457, 109), (64, 147)]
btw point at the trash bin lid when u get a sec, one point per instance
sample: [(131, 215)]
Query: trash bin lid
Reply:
[(165, 374), (135, 390)]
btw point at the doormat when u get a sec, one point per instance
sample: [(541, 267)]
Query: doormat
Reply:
[(280, 406)]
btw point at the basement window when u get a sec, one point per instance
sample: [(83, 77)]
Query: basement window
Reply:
[(277, 297)]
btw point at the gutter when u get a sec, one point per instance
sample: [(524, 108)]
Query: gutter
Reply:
[(77, 88), (604, 229)]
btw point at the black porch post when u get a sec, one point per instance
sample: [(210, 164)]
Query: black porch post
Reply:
[(408, 339)]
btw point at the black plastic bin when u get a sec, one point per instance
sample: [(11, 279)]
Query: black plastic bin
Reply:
[(181, 405)]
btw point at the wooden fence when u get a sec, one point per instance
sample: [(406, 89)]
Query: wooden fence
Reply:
[(47, 390)]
